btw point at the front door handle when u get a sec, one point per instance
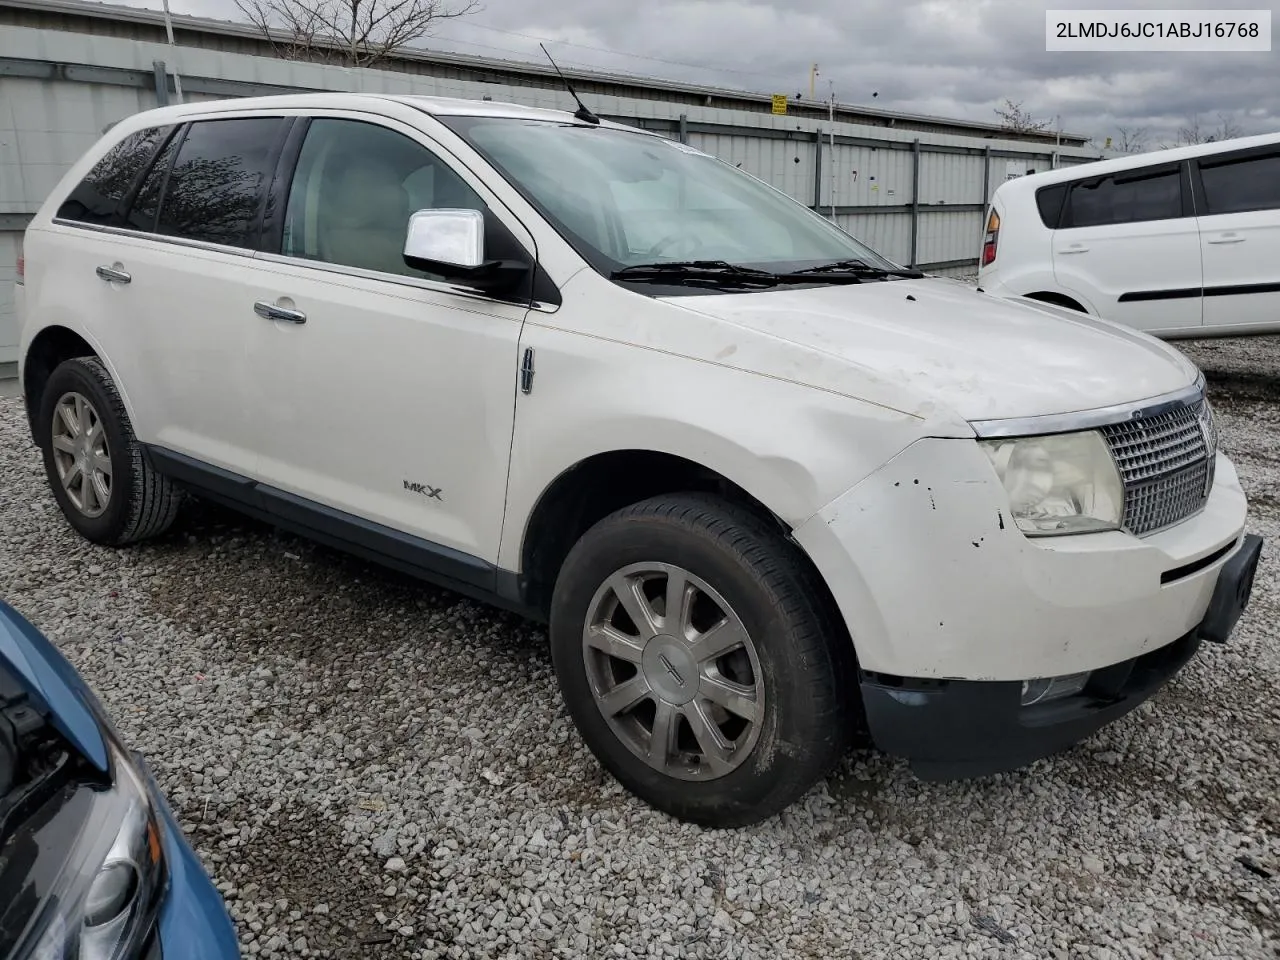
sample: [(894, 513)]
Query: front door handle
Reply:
[(113, 275), (1227, 238), (1075, 248), (269, 311)]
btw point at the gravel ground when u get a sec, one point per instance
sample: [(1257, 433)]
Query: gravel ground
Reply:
[(373, 768)]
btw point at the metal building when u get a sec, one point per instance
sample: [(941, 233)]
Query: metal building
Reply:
[(913, 187)]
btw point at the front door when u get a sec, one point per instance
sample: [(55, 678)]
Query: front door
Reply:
[(1239, 206), (383, 394)]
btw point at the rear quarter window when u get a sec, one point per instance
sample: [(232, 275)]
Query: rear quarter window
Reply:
[(1049, 203), (101, 196)]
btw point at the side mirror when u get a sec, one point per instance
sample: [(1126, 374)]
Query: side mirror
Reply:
[(450, 243)]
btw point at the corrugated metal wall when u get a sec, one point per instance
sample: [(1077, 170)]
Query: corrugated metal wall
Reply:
[(887, 233), (787, 164), (59, 90)]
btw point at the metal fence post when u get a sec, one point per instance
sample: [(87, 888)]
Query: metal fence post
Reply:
[(915, 201), (986, 178), (684, 128), (817, 168), (162, 82)]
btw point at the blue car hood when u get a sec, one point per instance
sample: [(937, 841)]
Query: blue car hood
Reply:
[(52, 683)]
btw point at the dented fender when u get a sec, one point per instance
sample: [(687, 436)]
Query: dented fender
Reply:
[(790, 446)]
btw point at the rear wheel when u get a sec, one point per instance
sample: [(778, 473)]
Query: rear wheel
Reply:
[(94, 463), (1058, 300), (700, 660)]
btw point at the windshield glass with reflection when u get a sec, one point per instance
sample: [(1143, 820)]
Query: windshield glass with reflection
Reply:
[(624, 199)]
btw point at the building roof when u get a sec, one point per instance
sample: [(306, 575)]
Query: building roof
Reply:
[(89, 16)]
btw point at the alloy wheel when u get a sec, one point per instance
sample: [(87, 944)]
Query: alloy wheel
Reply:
[(673, 671), (81, 454)]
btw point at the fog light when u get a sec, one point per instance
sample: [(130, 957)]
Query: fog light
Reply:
[(1052, 688)]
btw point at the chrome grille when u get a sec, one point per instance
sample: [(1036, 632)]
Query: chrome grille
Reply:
[(1166, 463)]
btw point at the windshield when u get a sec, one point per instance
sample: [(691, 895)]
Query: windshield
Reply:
[(625, 199)]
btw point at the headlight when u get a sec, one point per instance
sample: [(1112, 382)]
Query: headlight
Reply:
[(1065, 483), (102, 906), (1209, 427)]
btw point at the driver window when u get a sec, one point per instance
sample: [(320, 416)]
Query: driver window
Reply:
[(355, 187)]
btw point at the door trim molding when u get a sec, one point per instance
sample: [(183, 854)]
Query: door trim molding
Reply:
[(1180, 293), (1224, 290)]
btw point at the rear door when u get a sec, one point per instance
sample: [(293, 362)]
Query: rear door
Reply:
[(168, 278), (1238, 202), (1128, 242)]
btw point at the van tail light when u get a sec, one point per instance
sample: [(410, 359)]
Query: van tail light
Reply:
[(22, 267), (991, 239)]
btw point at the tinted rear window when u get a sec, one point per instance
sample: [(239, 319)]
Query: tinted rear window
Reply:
[(99, 198), (1049, 201), (1237, 186), (218, 180), (1124, 198)]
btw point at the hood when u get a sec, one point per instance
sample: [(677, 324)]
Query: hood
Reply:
[(52, 684), (984, 357)]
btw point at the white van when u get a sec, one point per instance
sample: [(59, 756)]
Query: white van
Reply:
[(768, 488), (1178, 243)]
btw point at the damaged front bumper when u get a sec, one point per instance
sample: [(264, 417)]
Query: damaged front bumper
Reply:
[(953, 729)]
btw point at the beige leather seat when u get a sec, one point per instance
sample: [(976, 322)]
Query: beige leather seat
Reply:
[(364, 214)]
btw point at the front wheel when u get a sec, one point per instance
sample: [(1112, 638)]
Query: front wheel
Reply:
[(700, 661)]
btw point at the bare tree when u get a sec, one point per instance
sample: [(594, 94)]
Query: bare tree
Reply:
[(1228, 129), (1014, 118), (1195, 131), (1130, 140), (356, 33)]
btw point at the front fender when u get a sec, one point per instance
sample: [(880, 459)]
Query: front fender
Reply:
[(792, 447)]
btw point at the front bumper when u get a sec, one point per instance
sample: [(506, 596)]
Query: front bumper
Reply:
[(956, 729), (934, 579), (193, 923)]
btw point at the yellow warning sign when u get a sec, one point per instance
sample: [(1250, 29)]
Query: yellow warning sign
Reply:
[(779, 103)]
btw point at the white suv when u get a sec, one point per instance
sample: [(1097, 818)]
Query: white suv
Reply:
[(768, 488), (1178, 243)]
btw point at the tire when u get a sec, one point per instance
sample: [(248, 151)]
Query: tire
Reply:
[(138, 502), (797, 660)]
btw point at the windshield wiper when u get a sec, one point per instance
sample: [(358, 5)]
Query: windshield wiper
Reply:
[(696, 271), (858, 268)]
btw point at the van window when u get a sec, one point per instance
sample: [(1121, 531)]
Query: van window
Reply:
[(1049, 201), (1130, 197), (218, 179), (1236, 186), (356, 186), (99, 198)]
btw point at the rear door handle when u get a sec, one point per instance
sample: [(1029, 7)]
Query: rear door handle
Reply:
[(1075, 248), (269, 311), (1227, 238), (113, 275)]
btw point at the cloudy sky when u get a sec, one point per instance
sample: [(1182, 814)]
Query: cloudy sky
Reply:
[(957, 58)]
